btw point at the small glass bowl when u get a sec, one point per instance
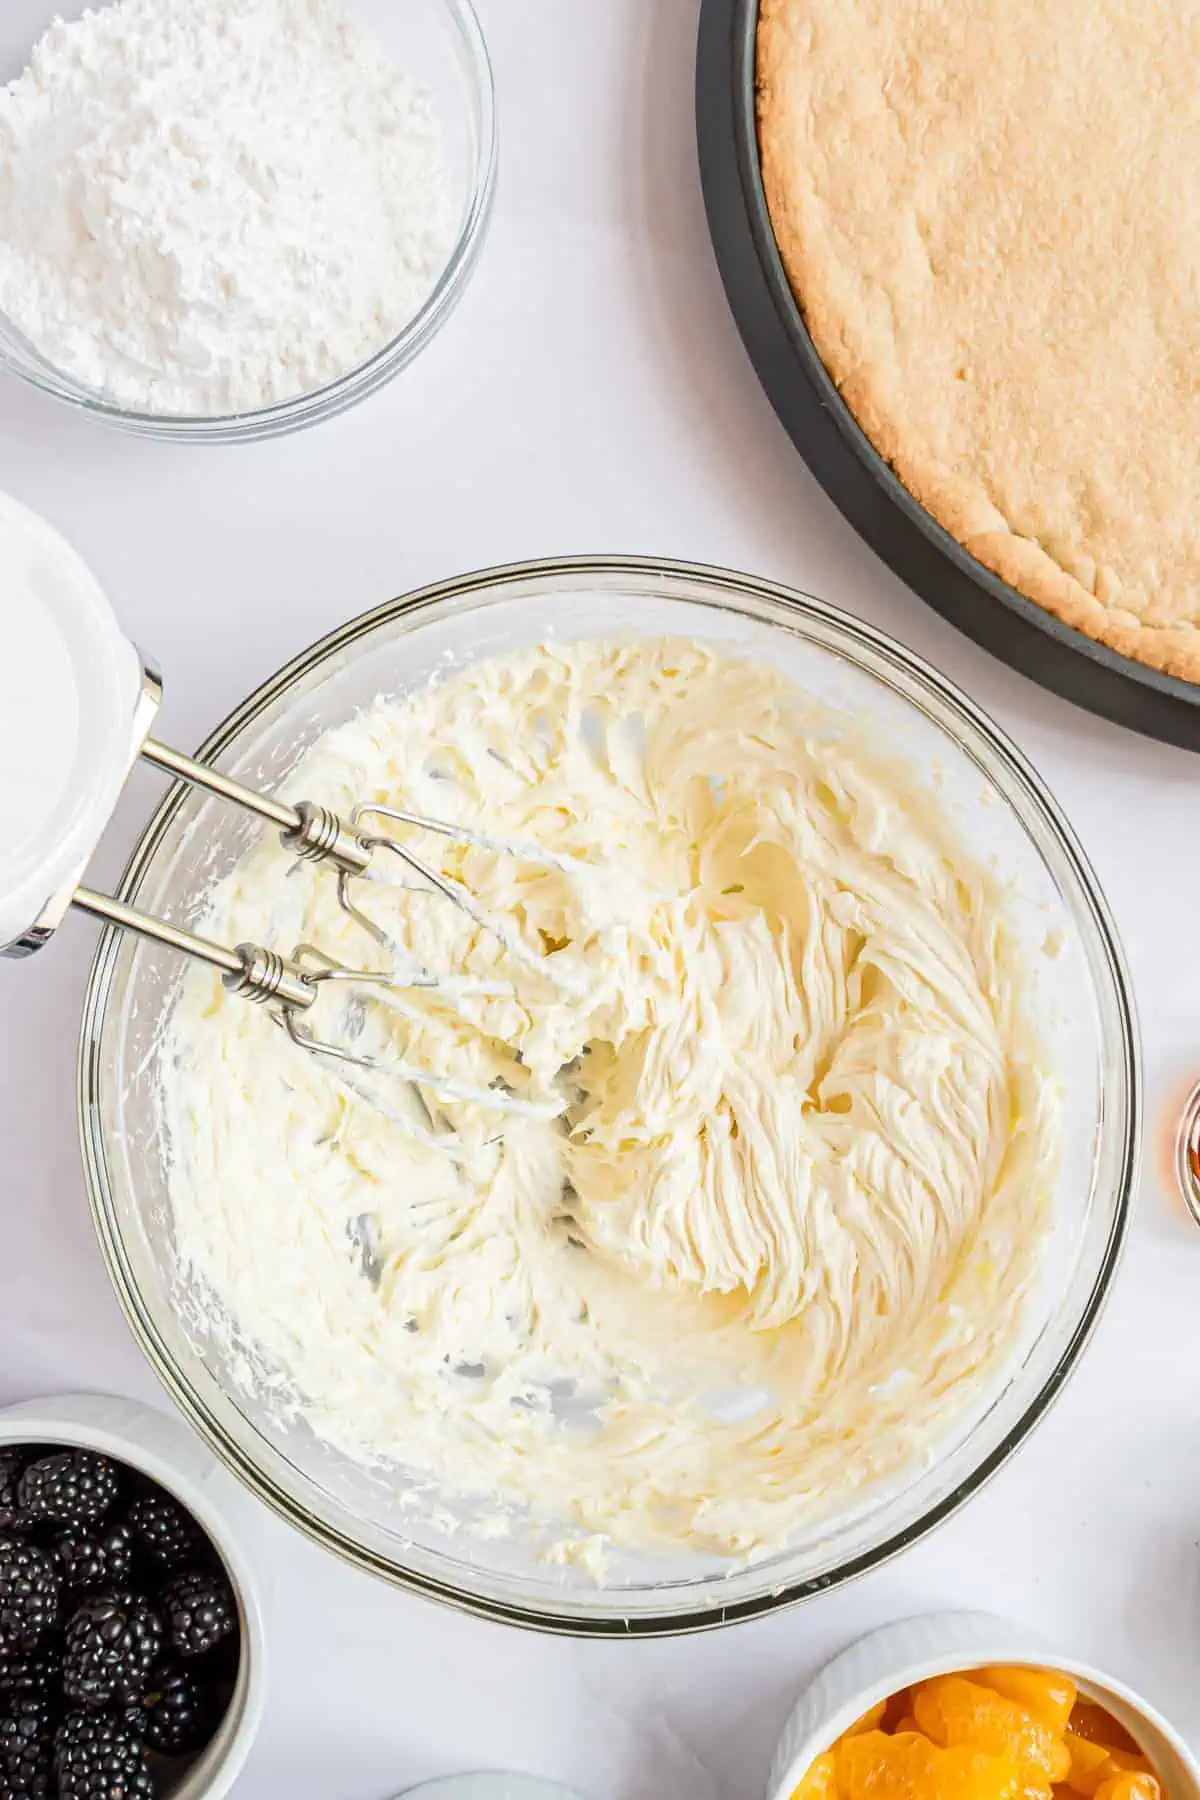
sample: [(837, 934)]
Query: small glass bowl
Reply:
[(1005, 819), (441, 44)]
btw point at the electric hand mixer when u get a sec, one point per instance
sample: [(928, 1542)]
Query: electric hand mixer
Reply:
[(106, 698)]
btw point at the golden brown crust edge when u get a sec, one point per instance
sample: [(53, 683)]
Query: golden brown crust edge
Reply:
[(970, 517)]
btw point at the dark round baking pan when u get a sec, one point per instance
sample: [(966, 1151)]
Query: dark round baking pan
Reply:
[(839, 454)]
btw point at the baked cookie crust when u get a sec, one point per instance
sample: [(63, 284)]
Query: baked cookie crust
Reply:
[(990, 217)]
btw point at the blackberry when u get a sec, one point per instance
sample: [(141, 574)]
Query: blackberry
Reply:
[(179, 1711), (75, 1487), (10, 1790), (27, 1749), (12, 1515), (30, 1586), (100, 1559), (28, 1676), (112, 1643), (97, 1757), (199, 1612), (130, 1718), (168, 1533)]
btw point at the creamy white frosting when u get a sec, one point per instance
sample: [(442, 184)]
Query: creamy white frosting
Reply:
[(770, 1236)]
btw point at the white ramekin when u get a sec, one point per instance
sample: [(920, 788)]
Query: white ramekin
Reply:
[(938, 1644), (163, 1448)]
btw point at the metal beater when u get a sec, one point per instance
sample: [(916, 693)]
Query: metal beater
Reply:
[(289, 986)]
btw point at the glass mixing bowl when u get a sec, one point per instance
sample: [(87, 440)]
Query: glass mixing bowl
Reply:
[(438, 42), (1005, 816)]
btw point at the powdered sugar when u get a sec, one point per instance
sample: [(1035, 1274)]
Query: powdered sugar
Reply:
[(210, 205)]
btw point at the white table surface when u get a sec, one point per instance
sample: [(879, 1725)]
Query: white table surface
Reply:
[(591, 394)]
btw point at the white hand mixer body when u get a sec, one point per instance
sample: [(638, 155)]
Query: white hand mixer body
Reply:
[(76, 706)]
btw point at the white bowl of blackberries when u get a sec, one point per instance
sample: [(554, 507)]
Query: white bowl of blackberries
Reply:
[(120, 1630)]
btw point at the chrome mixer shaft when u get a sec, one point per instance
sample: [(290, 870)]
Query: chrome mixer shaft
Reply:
[(290, 985), (314, 834)]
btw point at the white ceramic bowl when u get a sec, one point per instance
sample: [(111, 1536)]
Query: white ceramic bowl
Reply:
[(163, 1448), (912, 1650)]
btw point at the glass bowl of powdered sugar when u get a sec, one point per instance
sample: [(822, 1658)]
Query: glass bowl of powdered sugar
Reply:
[(229, 221)]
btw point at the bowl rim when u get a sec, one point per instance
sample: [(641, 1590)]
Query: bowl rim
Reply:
[(133, 1433), (300, 410), (546, 1617), (488, 1784)]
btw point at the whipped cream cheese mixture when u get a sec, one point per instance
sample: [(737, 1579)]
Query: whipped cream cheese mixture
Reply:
[(761, 1236)]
